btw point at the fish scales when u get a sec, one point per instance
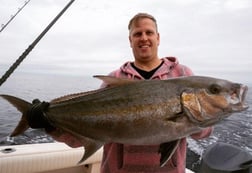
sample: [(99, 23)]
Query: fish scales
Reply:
[(133, 107), (137, 112)]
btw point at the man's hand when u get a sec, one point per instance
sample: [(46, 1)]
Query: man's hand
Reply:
[(36, 115)]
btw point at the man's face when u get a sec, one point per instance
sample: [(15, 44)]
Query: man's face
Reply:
[(144, 40)]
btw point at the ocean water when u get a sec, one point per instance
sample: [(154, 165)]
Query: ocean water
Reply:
[(236, 130), (42, 86)]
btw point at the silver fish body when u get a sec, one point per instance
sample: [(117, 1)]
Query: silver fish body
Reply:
[(144, 112)]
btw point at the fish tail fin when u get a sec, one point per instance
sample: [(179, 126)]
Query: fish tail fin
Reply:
[(23, 106)]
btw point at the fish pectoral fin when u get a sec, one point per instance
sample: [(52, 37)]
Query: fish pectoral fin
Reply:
[(91, 146), (114, 81), (167, 150)]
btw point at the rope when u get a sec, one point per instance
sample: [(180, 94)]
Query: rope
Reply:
[(29, 49)]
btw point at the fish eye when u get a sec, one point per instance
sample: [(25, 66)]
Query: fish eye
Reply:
[(215, 89)]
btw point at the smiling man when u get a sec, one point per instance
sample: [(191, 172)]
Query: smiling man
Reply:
[(144, 40)]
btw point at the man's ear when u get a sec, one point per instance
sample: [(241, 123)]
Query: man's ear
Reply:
[(130, 41)]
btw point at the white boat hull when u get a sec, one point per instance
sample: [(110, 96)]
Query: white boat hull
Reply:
[(48, 158)]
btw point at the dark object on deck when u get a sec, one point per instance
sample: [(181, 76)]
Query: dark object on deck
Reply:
[(226, 158)]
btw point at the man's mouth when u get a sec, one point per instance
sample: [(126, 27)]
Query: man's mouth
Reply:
[(144, 46)]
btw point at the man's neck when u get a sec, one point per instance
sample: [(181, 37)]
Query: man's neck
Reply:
[(146, 74), (148, 65)]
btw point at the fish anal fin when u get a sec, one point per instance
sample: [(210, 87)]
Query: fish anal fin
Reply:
[(114, 81), (91, 146), (167, 150), (70, 97)]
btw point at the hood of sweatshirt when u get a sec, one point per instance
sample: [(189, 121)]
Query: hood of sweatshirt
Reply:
[(168, 64)]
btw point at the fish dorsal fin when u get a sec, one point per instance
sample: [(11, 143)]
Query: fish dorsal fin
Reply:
[(114, 81), (72, 96), (108, 80)]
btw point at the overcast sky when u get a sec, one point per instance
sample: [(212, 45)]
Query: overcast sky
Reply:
[(212, 37)]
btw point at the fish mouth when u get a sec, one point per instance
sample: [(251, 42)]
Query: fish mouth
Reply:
[(238, 98)]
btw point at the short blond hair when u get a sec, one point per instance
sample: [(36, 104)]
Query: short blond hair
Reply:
[(139, 16)]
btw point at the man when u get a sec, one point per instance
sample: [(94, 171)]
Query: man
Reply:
[(119, 158)]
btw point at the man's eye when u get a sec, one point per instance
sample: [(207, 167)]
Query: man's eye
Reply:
[(149, 33), (138, 34)]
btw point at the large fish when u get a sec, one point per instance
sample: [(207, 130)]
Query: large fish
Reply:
[(142, 112)]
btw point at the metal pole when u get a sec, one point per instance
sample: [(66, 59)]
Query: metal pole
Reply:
[(12, 17), (29, 49)]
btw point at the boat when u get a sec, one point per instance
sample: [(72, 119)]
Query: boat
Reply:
[(48, 158)]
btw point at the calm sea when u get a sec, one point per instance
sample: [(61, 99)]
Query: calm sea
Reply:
[(42, 86), (236, 130)]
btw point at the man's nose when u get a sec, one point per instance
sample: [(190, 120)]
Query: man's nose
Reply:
[(143, 37)]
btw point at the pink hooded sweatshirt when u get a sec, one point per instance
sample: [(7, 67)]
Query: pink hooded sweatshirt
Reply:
[(120, 158)]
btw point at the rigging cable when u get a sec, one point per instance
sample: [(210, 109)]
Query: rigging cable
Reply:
[(29, 49), (13, 16)]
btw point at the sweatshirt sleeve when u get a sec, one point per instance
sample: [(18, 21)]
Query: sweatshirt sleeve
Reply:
[(186, 71)]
